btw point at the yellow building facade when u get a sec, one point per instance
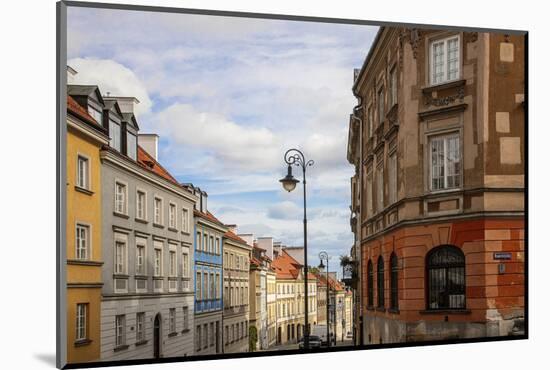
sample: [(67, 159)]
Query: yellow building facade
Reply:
[(83, 230)]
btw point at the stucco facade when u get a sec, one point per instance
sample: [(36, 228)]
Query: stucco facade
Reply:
[(437, 141), (147, 303), (236, 265), (85, 137), (208, 271)]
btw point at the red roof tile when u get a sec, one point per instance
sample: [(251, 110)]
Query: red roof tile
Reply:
[(231, 235), (209, 216), (334, 284), (286, 266), (80, 112), (147, 161)]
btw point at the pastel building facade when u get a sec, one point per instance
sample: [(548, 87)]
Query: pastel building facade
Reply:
[(236, 264), (208, 270), (147, 295), (437, 141), (85, 137)]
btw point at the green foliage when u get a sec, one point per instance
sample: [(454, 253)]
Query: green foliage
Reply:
[(252, 338)]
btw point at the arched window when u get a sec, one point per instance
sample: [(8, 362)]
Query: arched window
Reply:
[(380, 281), (370, 284), (446, 278), (394, 304)]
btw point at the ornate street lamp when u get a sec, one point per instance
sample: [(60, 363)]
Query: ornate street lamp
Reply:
[(324, 256), (294, 157)]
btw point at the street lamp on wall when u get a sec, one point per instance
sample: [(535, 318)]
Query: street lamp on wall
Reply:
[(294, 157)]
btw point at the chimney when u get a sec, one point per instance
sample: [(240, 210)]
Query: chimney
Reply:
[(266, 243), (127, 104), (149, 143), (71, 72), (248, 238), (232, 228)]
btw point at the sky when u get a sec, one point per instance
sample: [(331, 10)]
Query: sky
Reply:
[(228, 96)]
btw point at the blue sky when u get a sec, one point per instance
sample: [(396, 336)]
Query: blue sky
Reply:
[(228, 96)]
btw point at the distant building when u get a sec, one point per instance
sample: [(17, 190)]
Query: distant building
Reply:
[(85, 137), (291, 298), (209, 233), (437, 141), (146, 216), (236, 262)]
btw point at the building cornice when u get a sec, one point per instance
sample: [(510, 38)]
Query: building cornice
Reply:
[(132, 167), (84, 128)]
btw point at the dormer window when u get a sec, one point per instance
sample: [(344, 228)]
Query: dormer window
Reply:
[(131, 145), (96, 114), (114, 133)]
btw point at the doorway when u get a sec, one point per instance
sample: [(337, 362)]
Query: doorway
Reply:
[(156, 336)]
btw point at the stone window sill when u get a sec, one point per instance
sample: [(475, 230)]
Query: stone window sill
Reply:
[(121, 215), (82, 342), (446, 312), (173, 229), (393, 310), (158, 225), (173, 334), (141, 220), (141, 343), (83, 190), (121, 348)]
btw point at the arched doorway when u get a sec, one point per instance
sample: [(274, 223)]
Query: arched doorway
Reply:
[(156, 336), (287, 332), (279, 335)]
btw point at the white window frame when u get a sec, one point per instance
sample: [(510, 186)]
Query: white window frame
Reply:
[(121, 238), (444, 137), (185, 268), (172, 216), (445, 41), (158, 246), (160, 220), (172, 267), (140, 326), (95, 114), (198, 284), (133, 153), (120, 330), (86, 182), (115, 140), (124, 185), (81, 322), (144, 216), (198, 237), (205, 242), (185, 220), (141, 243), (172, 320), (88, 241)]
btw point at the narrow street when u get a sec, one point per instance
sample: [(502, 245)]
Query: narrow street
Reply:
[(282, 347)]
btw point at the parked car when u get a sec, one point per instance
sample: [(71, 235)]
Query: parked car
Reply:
[(321, 332), (314, 342)]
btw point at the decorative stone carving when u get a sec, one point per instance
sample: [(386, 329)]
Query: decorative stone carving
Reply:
[(470, 36), (439, 102), (415, 38)]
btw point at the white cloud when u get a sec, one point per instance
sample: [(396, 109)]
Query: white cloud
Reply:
[(284, 211), (233, 146), (111, 77)]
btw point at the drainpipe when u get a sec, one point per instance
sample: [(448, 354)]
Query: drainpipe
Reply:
[(356, 116)]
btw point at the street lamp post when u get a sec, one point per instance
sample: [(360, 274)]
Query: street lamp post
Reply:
[(294, 157), (324, 256)]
